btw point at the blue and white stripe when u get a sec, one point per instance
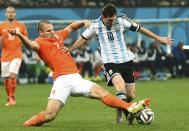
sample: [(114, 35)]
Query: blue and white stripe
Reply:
[(112, 50)]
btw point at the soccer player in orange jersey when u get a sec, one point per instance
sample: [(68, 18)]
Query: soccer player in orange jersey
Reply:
[(11, 53), (67, 80)]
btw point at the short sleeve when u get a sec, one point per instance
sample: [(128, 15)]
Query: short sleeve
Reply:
[(127, 22), (64, 33), (89, 32), (131, 25), (25, 30), (0, 31)]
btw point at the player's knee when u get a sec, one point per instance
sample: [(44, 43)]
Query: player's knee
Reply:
[(98, 92), (12, 76)]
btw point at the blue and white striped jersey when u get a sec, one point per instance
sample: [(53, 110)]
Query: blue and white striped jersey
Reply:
[(112, 39)]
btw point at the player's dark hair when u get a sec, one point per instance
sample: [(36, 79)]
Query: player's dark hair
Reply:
[(109, 10), (41, 23)]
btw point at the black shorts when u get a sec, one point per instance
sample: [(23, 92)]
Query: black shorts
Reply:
[(124, 69)]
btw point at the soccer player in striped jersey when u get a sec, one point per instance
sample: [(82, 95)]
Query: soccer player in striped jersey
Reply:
[(117, 60)]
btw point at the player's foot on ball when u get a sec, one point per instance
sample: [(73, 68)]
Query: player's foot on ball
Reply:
[(137, 106), (130, 118)]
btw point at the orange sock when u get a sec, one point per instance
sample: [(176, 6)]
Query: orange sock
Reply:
[(10, 86), (114, 102), (14, 84), (7, 87), (36, 120)]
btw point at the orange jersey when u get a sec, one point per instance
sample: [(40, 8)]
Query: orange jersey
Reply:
[(61, 63), (12, 46)]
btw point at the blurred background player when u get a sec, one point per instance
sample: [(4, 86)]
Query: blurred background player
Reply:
[(48, 46), (11, 53), (116, 58)]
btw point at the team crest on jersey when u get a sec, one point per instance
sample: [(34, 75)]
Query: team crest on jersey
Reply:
[(117, 27)]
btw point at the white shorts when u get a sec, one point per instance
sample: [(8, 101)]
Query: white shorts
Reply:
[(72, 84), (10, 67)]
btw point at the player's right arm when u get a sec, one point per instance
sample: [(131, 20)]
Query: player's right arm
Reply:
[(80, 41), (26, 41), (87, 34)]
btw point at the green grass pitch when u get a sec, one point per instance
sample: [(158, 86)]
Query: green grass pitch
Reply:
[(169, 101)]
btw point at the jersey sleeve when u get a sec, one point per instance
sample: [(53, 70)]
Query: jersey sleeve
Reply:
[(0, 31), (25, 32), (89, 32), (64, 33), (39, 41), (131, 25)]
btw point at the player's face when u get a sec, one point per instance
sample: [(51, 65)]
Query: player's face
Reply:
[(48, 31), (10, 13), (109, 20)]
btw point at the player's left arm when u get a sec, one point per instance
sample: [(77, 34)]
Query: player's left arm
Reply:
[(138, 28), (77, 24), (162, 40)]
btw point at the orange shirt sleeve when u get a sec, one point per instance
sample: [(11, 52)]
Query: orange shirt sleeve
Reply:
[(25, 30), (0, 31), (64, 33)]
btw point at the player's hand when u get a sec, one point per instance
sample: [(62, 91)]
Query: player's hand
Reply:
[(166, 40), (13, 32), (64, 49)]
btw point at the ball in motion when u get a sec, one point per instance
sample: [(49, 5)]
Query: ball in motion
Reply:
[(145, 116)]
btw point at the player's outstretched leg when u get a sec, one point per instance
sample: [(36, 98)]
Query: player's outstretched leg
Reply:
[(114, 102), (48, 115)]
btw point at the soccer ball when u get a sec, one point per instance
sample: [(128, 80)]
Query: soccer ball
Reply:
[(145, 116)]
